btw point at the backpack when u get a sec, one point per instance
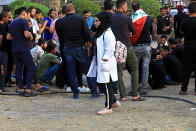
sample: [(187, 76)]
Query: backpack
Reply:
[(120, 52)]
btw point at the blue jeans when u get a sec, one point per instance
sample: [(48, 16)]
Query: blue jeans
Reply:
[(22, 59), (4, 60), (144, 53), (73, 59), (50, 73)]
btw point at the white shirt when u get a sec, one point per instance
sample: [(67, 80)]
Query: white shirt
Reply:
[(37, 53)]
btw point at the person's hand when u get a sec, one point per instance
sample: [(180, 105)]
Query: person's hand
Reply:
[(165, 28), (104, 60)]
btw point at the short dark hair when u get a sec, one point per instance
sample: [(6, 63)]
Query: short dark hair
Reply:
[(108, 5), (16, 12), (85, 11), (63, 9), (172, 41), (119, 3), (3, 14), (6, 9), (135, 5), (21, 10), (38, 11), (166, 48), (192, 7), (162, 8), (166, 7), (163, 36), (31, 8), (50, 47), (60, 12), (41, 41)]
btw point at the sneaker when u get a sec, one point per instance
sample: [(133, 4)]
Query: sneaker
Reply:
[(182, 93), (68, 89), (87, 89), (75, 97), (104, 111), (95, 96), (21, 93), (30, 94), (83, 89), (116, 104)]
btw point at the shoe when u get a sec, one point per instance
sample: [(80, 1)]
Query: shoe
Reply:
[(95, 96), (75, 97), (21, 93), (87, 89), (30, 94), (83, 89), (182, 93), (116, 104), (123, 99), (143, 92), (139, 98), (17, 90), (68, 89), (104, 111)]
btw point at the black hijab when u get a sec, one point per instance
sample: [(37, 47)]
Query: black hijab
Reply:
[(105, 20)]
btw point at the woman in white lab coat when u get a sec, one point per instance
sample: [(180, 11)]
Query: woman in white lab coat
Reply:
[(104, 65)]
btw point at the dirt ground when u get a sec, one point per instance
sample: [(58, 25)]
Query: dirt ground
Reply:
[(59, 112)]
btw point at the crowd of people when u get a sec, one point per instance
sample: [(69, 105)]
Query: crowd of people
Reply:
[(72, 48)]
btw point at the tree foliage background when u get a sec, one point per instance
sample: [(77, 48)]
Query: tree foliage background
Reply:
[(18, 3)]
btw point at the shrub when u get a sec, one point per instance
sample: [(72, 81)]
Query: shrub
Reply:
[(18, 3), (86, 5), (151, 7)]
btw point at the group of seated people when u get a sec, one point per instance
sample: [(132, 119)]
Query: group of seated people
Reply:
[(166, 66)]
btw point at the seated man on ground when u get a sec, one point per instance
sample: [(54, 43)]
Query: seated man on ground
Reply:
[(173, 66), (48, 65), (37, 53), (177, 50), (157, 71)]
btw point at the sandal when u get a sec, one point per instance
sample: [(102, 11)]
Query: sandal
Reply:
[(140, 98), (182, 93), (123, 99)]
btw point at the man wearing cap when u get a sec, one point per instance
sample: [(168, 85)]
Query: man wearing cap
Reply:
[(178, 18)]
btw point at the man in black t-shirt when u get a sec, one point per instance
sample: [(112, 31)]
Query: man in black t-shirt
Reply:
[(3, 45), (162, 25), (178, 18), (188, 30)]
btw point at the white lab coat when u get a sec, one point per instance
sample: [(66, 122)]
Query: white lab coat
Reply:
[(105, 50)]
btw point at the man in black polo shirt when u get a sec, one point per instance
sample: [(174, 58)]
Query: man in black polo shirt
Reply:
[(142, 40), (73, 32), (178, 18), (162, 25), (122, 27)]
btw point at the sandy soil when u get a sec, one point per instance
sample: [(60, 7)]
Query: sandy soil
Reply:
[(59, 112)]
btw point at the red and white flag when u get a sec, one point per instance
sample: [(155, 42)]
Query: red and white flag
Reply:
[(139, 19)]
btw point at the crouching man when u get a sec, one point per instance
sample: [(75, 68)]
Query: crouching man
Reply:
[(48, 65)]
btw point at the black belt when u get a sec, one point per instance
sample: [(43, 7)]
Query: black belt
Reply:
[(142, 44)]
